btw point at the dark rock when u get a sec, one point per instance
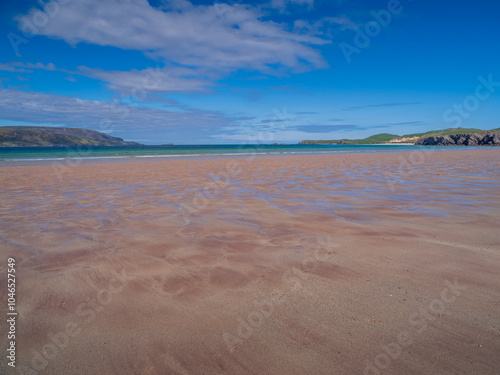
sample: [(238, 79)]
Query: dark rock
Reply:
[(474, 139)]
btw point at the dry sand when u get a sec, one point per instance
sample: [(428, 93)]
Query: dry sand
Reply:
[(331, 264)]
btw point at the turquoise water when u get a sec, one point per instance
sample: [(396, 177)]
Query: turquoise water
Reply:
[(10, 155)]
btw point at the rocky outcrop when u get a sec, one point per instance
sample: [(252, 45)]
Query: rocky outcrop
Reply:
[(474, 139)]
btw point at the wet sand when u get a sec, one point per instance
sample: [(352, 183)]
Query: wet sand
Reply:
[(331, 264)]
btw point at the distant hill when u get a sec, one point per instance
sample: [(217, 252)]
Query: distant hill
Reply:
[(378, 138), (386, 138), (32, 136)]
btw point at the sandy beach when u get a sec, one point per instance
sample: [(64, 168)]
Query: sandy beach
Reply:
[(383, 263)]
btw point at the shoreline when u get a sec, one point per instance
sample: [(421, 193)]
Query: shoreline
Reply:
[(126, 158)]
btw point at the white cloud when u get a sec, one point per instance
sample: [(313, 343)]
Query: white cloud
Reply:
[(10, 68), (48, 66), (152, 80), (19, 67), (219, 37)]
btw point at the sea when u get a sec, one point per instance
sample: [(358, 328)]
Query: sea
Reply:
[(31, 155)]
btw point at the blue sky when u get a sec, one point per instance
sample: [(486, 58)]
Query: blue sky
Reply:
[(205, 72)]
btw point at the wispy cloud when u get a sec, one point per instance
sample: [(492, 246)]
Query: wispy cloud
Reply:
[(151, 80), (251, 94), (407, 123), (326, 27), (290, 89), (125, 120), (282, 4), (274, 120), (20, 67), (192, 37), (13, 69), (323, 128), (397, 104)]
